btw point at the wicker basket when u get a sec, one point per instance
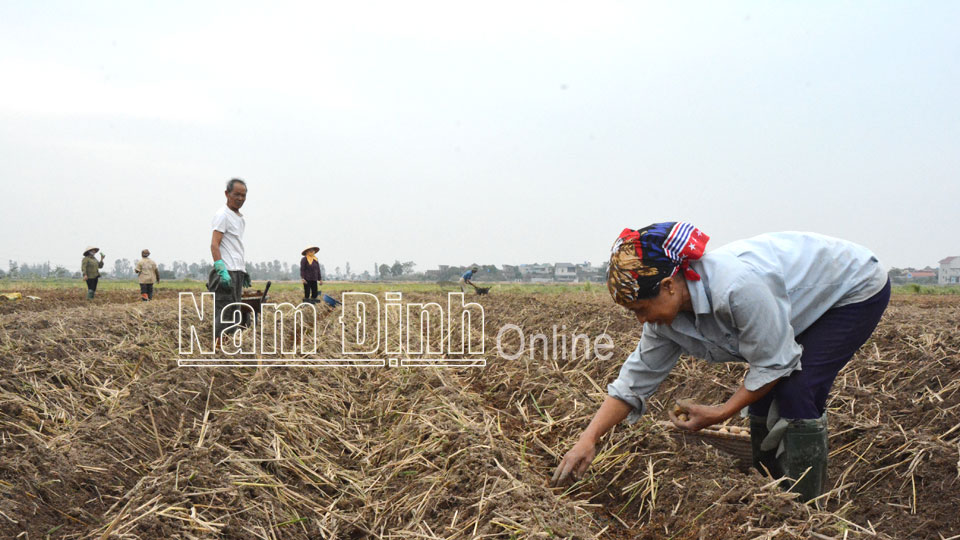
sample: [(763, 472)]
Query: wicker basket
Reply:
[(735, 444)]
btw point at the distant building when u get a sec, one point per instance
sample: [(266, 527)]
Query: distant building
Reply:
[(536, 273), (588, 272), (565, 272), (949, 271), (922, 274), (511, 272)]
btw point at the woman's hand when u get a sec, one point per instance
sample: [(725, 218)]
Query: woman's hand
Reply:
[(304, 281), (575, 462), (698, 416)]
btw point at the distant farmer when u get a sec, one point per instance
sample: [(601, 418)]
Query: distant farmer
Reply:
[(310, 274), (465, 279), (228, 276), (148, 274), (90, 269), (794, 306)]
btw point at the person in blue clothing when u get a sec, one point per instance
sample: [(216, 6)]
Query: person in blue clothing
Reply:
[(794, 306), (465, 279)]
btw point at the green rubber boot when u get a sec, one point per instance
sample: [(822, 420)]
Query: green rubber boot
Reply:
[(764, 461), (89, 294), (805, 447)]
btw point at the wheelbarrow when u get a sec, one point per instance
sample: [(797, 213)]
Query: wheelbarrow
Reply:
[(254, 299), (482, 290)]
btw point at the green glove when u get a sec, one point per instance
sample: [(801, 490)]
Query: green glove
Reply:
[(221, 268)]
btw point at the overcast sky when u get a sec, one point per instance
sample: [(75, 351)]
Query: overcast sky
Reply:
[(454, 132)]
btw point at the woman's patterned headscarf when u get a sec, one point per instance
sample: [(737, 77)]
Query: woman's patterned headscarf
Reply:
[(639, 260)]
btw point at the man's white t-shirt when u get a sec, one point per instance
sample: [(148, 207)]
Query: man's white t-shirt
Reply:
[(231, 224)]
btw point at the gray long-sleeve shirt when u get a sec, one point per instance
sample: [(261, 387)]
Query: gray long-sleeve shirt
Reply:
[(754, 297)]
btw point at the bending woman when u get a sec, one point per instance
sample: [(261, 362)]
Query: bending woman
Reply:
[(794, 306)]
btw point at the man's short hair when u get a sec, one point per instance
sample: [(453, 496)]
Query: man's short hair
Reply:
[(233, 181)]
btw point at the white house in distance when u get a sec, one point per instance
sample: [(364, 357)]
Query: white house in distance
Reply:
[(949, 271), (537, 273), (565, 272)]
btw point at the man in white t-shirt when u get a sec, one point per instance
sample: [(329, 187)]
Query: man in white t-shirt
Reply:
[(226, 246)]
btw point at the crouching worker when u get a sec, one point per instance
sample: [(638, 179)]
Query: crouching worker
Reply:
[(148, 274), (794, 306)]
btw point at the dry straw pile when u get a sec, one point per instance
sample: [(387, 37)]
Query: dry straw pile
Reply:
[(103, 436)]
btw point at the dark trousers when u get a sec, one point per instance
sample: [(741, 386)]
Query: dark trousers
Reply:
[(827, 346), (147, 289), (224, 296), (310, 290), (92, 284)]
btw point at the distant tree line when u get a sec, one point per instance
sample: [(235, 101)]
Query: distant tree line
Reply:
[(276, 270), (396, 270), (123, 269), (17, 270), (404, 271), (925, 276)]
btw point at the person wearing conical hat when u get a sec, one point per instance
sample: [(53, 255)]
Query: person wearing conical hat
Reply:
[(310, 274), (90, 269), (794, 306), (148, 274)]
